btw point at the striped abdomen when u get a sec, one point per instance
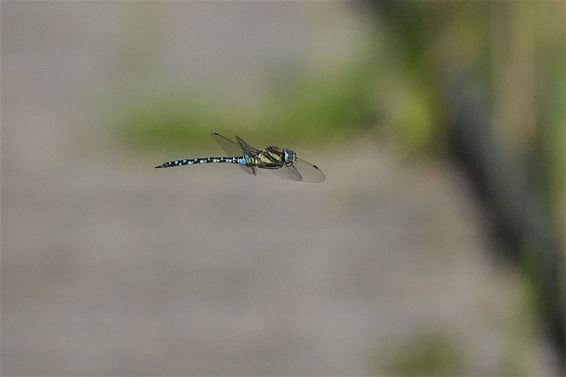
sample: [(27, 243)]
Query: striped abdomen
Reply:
[(204, 160)]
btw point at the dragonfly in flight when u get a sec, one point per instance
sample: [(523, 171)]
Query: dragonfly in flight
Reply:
[(281, 161)]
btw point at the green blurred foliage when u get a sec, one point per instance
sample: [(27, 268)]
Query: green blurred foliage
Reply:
[(307, 110), (173, 121), (396, 87), (324, 107), (515, 50), (430, 354), (521, 327)]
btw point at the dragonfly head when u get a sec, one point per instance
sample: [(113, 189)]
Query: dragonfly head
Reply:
[(289, 156)]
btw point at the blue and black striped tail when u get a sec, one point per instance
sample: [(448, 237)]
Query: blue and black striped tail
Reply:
[(201, 160)]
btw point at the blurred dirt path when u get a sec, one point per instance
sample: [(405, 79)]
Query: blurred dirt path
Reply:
[(209, 271)]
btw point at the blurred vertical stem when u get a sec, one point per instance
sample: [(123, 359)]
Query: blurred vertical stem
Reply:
[(506, 177)]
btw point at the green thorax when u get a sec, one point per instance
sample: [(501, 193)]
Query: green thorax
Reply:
[(269, 157)]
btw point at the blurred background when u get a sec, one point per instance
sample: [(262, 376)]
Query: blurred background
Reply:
[(435, 246)]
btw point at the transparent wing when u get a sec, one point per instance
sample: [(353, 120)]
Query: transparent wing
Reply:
[(288, 172), (309, 172), (245, 146), (233, 150)]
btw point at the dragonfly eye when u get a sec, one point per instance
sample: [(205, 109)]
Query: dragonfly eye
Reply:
[(289, 156)]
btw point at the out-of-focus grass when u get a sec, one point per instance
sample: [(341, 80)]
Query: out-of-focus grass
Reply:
[(431, 354), (520, 329), (172, 121), (324, 107), (308, 110)]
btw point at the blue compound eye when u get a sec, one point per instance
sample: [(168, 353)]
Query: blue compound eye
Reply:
[(289, 156)]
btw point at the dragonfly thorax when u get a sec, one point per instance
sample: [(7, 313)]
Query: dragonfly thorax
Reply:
[(272, 157)]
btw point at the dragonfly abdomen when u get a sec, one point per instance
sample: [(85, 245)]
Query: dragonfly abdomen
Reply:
[(203, 160)]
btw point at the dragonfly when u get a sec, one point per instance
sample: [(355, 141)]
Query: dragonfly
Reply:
[(281, 161)]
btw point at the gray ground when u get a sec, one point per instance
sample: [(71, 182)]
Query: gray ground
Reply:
[(110, 267)]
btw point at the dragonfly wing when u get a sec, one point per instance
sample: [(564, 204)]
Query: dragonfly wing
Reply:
[(309, 172), (245, 146), (233, 150), (288, 172)]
